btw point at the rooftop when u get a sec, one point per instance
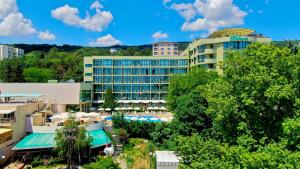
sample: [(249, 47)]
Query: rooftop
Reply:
[(166, 156), (234, 32), (46, 140)]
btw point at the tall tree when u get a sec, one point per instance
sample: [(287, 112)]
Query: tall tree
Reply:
[(109, 100), (34, 74), (72, 142), (259, 89)]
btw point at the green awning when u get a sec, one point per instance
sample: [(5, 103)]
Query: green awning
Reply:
[(46, 140)]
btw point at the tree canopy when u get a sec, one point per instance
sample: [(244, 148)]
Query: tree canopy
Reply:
[(246, 118)]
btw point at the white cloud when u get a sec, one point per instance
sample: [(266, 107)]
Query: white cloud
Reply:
[(209, 15), (105, 41), (46, 35), (160, 35), (12, 22), (70, 16), (186, 10), (96, 5)]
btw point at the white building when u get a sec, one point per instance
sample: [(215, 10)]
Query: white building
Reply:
[(166, 160), (59, 97), (10, 52)]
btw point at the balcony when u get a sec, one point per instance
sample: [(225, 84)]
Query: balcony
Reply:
[(207, 61), (7, 122), (209, 51)]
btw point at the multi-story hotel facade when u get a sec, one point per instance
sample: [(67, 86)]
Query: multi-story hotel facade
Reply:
[(209, 52), (135, 79)]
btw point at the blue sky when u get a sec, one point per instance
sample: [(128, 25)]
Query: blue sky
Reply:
[(135, 22)]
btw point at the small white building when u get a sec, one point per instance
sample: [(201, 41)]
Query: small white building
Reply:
[(166, 160), (10, 52)]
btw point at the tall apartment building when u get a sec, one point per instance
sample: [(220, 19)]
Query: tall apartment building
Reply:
[(10, 52), (209, 52), (146, 78), (165, 49), (132, 78)]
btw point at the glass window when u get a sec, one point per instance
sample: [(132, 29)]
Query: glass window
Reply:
[(88, 74), (88, 65), (182, 62), (173, 62), (107, 62)]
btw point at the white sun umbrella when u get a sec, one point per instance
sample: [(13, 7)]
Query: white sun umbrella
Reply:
[(123, 108), (133, 118), (129, 108), (143, 119), (101, 109), (163, 108), (150, 108), (117, 108), (81, 114), (156, 108), (137, 108), (108, 109), (59, 117), (94, 114)]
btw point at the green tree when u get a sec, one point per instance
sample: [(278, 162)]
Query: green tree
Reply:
[(72, 142), (102, 163), (11, 70), (259, 89), (109, 100), (200, 153), (34, 74)]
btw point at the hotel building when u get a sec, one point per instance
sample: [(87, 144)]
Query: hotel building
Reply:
[(209, 52), (10, 52), (135, 79), (165, 49)]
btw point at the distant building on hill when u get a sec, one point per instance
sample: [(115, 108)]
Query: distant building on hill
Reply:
[(10, 52), (165, 49)]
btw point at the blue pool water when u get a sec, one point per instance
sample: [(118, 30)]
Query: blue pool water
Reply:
[(139, 118)]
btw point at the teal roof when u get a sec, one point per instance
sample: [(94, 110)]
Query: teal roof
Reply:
[(46, 140)]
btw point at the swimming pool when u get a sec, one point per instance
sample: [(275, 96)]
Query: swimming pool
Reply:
[(138, 118)]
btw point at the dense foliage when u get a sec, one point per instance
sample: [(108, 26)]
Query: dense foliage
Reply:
[(102, 163), (246, 118), (134, 129)]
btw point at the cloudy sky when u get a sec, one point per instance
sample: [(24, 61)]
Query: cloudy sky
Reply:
[(133, 22)]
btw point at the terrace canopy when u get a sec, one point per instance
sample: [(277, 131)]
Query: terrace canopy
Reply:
[(46, 140)]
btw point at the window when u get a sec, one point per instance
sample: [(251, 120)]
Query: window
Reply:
[(88, 65), (88, 74), (162, 53)]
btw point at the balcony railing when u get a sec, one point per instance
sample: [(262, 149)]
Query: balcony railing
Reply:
[(208, 61), (7, 121)]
